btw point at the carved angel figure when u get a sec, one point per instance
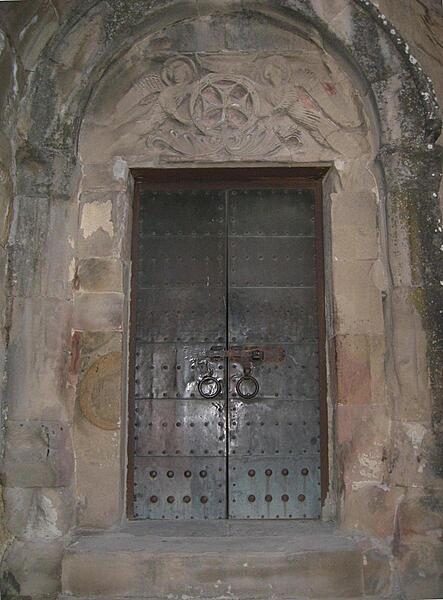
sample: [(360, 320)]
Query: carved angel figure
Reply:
[(163, 95), (290, 100)]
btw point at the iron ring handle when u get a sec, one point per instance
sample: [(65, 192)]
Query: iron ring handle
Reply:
[(247, 378), (208, 380)]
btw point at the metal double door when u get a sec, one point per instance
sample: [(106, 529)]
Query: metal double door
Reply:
[(226, 371)]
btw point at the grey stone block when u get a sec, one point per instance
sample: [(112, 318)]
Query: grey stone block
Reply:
[(32, 569), (38, 513), (98, 311), (38, 454), (377, 573), (308, 561), (38, 359), (100, 275)]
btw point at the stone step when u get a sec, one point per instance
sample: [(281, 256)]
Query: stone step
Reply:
[(233, 560), (107, 597)]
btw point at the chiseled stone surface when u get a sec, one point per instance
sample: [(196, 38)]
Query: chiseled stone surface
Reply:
[(100, 275), (92, 89), (252, 560), (358, 301), (33, 569), (419, 562), (97, 427), (38, 360), (8, 65), (98, 311), (377, 573), (372, 507), (354, 217), (360, 369), (38, 513), (38, 454)]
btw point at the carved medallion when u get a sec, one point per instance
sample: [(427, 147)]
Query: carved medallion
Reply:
[(100, 392), (224, 106)]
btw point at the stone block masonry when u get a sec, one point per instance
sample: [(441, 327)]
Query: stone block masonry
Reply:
[(92, 91)]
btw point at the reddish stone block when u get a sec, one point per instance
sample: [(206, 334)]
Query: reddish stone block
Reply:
[(353, 369), (371, 509), (363, 435)]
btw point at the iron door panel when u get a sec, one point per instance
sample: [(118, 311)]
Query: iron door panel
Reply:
[(271, 261), (182, 213), (184, 290), (174, 370), (272, 315), (273, 428), (295, 377), (179, 437), (181, 315), (274, 488), (292, 212), (181, 261), (274, 438), (177, 427), (180, 488)]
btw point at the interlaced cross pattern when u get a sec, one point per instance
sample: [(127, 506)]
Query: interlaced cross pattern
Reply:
[(223, 106)]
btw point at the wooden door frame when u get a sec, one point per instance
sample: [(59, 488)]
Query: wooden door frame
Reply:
[(223, 178)]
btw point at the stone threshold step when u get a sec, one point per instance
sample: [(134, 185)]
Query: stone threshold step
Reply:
[(204, 560), (69, 597)]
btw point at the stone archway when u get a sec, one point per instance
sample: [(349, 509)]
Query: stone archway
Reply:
[(381, 165), (294, 105)]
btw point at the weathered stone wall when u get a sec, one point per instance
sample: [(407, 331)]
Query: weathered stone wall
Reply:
[(137, 117), (81, 67), (31, 508), (8, 96)]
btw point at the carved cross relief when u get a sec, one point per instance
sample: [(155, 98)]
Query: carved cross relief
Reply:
[(220, 107)]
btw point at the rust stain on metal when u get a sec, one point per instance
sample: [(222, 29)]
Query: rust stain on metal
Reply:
[(251, 354)]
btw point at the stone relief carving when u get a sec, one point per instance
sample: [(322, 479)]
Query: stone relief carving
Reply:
[(205, 107), (99, 392)]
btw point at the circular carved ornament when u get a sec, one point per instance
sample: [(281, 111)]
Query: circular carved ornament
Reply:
[(100, 391), (224, 105)]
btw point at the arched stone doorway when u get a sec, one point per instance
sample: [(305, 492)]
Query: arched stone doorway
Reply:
[(303, 110), (322, 93)]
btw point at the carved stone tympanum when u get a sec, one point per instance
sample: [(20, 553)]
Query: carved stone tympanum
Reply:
[(233, 107)]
